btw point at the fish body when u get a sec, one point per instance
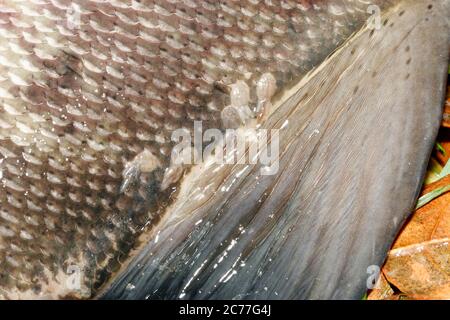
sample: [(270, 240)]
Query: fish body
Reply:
[(355, 137), (90, 95)]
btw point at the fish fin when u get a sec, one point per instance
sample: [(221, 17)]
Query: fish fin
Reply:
[(352, 159)]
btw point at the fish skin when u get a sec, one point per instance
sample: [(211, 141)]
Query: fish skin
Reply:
[(65, 147), (361, 129)]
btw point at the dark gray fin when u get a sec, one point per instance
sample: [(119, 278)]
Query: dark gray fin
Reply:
[(355, 140)]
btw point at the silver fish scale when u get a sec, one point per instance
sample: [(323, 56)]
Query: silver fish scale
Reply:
[(85, 86)]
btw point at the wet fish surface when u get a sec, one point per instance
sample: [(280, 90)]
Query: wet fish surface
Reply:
[(91, 91), (355, 138)]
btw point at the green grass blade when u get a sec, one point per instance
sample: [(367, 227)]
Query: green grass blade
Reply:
[(423, 200)]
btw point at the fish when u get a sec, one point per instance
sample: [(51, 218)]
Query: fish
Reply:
[(96, 203), (355, 139)]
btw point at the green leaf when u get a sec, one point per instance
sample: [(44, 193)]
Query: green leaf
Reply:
[(423, 200), (440, 148), (433, 172), (446, 170)]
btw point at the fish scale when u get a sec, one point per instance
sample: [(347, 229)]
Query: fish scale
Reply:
[(86, 86)]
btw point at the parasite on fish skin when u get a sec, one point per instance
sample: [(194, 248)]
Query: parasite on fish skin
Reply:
[(145, 161), (265, 89), (91, 90), (238, 112)]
